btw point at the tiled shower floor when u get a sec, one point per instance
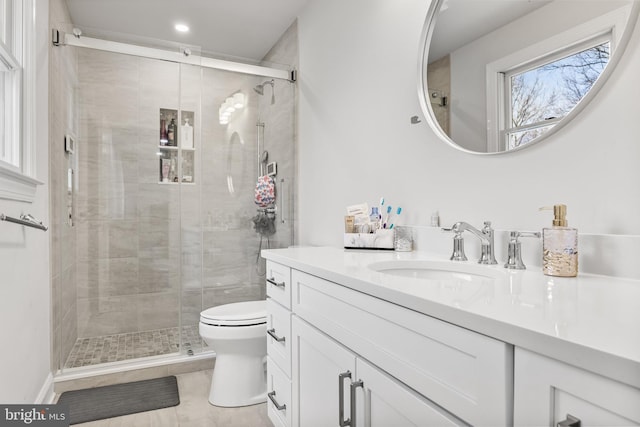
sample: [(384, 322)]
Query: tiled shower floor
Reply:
[(133, 345)]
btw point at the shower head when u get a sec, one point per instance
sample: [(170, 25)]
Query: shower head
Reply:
[(259, 89)]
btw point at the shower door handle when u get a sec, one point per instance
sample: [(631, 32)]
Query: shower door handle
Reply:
[(274, 283), (272, 333), (284, 216)]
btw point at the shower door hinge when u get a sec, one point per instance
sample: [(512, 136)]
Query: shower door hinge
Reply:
[(293, 76), (57, 37)]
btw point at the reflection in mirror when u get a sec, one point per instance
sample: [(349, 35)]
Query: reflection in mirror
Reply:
[(501, 74), (235, 162)]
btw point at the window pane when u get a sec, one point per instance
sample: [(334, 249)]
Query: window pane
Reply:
[(516, 139), (552, 90), (3, 111), (9, 118)]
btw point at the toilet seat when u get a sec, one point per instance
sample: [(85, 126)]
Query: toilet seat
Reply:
[(247, 313)]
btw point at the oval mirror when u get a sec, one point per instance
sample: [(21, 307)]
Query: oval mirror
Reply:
[(499, 75)]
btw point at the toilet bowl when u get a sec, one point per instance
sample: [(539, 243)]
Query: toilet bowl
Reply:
[(238, 334)]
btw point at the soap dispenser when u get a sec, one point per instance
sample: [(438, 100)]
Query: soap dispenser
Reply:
[(559, 245)]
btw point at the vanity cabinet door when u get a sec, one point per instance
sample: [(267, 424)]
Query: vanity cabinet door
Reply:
[(547, 391), (383, 401), (279, 395), (318, 362), (279, 335)]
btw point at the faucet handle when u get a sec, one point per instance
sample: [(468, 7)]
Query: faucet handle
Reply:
[(458, 243), (458, 247), (514, 251)]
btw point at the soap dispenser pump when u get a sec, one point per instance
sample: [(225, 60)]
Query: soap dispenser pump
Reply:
[(559, 245)]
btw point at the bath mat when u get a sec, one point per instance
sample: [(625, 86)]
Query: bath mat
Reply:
[(120, 399)]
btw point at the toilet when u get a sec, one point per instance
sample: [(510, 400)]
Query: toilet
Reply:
[(238, 334)]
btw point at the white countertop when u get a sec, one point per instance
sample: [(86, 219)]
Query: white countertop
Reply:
[(588, 321)]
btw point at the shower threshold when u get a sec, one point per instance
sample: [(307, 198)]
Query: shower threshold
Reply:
[(132, 345)]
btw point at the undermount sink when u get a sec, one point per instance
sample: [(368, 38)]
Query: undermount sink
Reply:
[(435, 270)]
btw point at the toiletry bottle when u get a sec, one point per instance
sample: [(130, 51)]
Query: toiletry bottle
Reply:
[(186, 139), (164, 138), (374, 218), (172, 134), (559, 246)]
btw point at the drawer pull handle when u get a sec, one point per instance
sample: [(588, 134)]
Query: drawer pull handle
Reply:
[(274, 283), (341, 421), (354, 386), (272, 333), (571, 421), (273, 400)]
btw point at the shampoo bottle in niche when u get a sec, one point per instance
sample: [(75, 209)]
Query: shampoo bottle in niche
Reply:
[(559, 246), (172, 133), (186, 139)]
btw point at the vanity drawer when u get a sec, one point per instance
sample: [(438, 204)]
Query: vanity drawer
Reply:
[(466, 373), (279, 283), (547, 389), (279, 335), (279, 383)]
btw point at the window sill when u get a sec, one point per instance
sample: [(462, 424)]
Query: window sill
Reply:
[(16, 186)]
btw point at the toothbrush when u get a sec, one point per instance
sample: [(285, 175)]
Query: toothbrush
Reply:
[(380, 223), (398, 212), (386, 221)]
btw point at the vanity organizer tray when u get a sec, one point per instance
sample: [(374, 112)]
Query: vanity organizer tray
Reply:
[(381, 240)]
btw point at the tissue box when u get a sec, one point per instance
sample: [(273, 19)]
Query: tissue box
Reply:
[(381, 239)]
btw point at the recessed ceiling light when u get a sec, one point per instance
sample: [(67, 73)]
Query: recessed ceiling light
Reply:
[(182, 28)]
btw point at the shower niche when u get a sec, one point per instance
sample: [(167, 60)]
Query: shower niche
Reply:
[(176, 149)]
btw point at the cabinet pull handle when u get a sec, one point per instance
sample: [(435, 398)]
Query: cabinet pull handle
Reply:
[(341, 421), (570, 421), (273, 400), (274, 283), (354, 386), (272, 333)]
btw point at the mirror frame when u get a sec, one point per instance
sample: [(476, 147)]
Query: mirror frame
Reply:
[(425, 104)]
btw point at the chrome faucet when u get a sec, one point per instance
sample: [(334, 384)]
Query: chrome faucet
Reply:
[(486, 238)]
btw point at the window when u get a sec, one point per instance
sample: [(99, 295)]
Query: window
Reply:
[(542, 92), (17, 99)]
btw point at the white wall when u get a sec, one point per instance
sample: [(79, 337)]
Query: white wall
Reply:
[(24, 265), (358, 78)]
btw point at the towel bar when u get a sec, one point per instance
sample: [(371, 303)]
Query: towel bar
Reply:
[(25, 219)]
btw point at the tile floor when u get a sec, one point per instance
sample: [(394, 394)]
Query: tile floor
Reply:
[(113, 348), (194, 410)]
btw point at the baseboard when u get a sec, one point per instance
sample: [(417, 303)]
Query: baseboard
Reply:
[(46, 394)]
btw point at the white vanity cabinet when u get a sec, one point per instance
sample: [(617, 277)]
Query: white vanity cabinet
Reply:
[(413, 368), (547, 392), (278, 280), (370, 340)]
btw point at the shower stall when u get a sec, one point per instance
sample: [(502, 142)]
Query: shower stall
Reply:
[(154, 204)]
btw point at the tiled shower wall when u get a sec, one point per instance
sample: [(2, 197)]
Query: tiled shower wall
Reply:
[(280, 137), (62, 121)]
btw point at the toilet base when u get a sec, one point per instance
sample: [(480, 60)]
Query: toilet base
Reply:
[(238, 380)]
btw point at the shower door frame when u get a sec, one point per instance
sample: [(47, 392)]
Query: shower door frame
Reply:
[(183, 56)]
